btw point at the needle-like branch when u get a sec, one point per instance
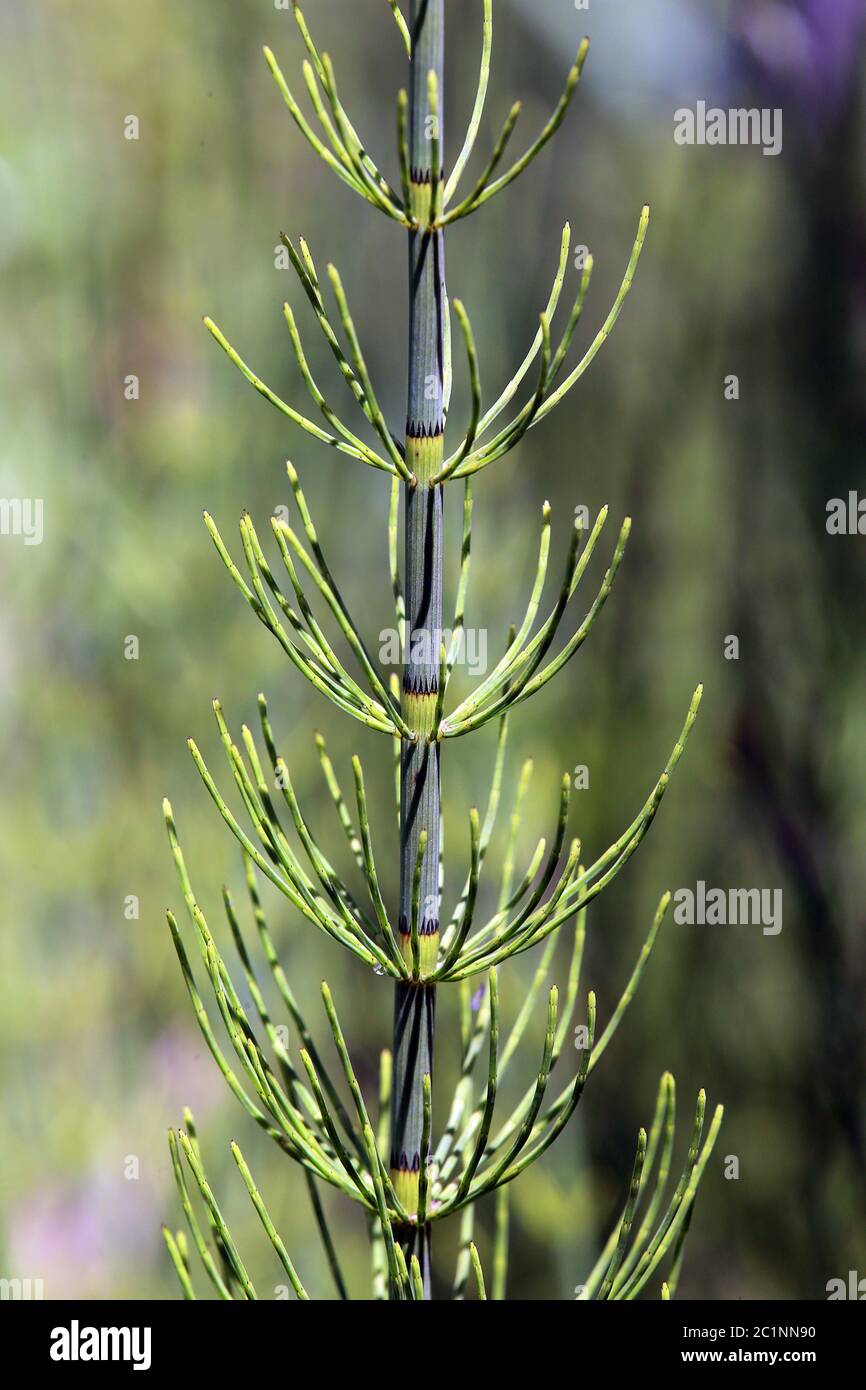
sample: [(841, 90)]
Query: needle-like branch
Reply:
[(478, 106), (608, 325), (338, 166), (489, 190), (402, 26), (472, 200), (333, 441), (364, 376), (475, 388), (270, 1229)]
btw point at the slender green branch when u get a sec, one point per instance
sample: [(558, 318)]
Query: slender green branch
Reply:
[(366, 456), (478, 106), (270, 1229), (489, 190)]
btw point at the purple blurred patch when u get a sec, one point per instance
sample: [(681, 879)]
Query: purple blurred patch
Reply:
[(807, 51), (77, 1238), (179, 1071), (80, 1237)]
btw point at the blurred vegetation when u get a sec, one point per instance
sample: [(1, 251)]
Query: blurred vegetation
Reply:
[(111, 250)]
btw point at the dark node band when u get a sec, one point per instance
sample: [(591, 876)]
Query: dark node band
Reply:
[(416, 430), (419, 683), (421, 177), (402, 1163), (428, 926)]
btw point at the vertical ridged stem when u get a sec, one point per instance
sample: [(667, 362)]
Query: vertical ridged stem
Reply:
[(415, 1004)]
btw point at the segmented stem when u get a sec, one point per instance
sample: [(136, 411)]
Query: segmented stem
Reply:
[(414, 1003)]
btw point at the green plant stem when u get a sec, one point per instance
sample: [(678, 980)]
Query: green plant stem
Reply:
[(414, 1002)]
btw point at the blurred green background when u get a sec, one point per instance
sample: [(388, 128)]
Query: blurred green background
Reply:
[(111, 250)]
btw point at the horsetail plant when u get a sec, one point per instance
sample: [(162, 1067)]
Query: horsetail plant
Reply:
[(391, 1162)]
